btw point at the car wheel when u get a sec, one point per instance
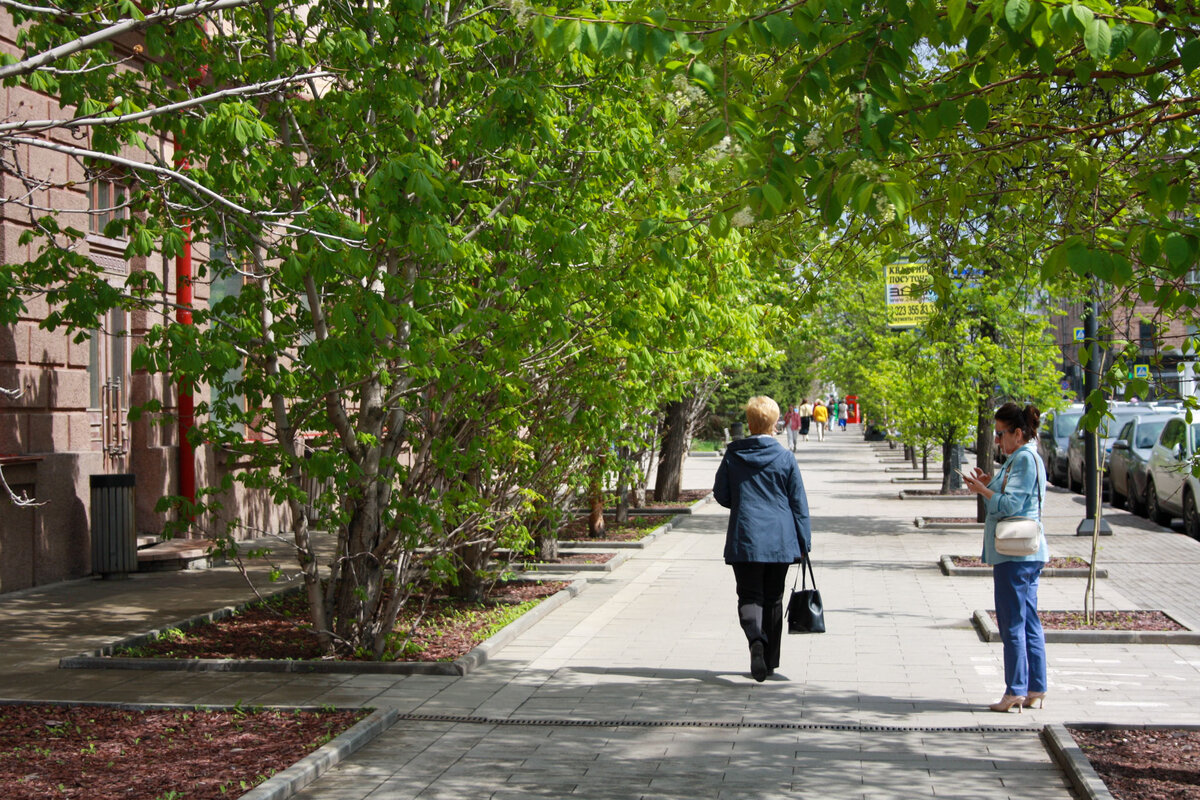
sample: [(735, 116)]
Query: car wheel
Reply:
[(1191, 516), (1052, 473), (1116, 498), (1137, 502), (1074, 487), (1153, 508)]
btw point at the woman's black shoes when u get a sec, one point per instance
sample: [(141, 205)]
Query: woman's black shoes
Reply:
[(758, 662)]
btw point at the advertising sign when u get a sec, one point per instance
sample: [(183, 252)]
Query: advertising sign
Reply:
[(908, 305)]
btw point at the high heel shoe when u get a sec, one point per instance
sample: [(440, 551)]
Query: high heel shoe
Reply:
[(1035, 697), (1007, 702)]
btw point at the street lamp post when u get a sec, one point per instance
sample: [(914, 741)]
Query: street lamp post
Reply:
[(1091, 440)]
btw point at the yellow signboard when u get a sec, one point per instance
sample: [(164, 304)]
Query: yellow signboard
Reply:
[(908, 303)]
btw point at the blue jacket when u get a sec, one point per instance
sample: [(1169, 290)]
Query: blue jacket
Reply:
[(759, 482), (1022, 497)]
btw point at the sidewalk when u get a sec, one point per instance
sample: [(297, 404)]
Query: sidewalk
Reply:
[(639, 687)]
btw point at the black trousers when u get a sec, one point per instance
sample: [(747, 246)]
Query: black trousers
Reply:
[(760, 604)]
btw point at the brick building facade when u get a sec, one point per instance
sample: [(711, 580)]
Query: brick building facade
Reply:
[(70, 420)]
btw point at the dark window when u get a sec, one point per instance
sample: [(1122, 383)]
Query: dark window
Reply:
[(1146, 334), (106, 203)]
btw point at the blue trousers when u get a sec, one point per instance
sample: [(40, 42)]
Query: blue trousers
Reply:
[(1016, 585)]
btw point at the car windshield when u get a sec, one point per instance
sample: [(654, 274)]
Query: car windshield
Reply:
[(1111, 427), (1147, 433), (1064, 423), (1195, 434)]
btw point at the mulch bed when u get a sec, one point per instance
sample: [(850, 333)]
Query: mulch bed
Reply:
[(1055, 562), (103, 753), (686, 498), (952, 520), (1107, 621), (935, 492), (577, 558), (638, 527), (438, 628), (1144, 765)]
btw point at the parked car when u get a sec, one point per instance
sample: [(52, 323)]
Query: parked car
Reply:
[(1130, 456), (1106, 433), (1053, 434), (1171, 489)]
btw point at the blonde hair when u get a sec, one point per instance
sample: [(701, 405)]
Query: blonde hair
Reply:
[(761, 414)]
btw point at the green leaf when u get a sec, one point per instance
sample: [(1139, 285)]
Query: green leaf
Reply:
[(977, 114), (702, 73), (718, 226), (1016, 12), (955, 9), (1179, 253), (773, 197), (1097, 38), (1083, 15), (1189, 56), (1145, 43)]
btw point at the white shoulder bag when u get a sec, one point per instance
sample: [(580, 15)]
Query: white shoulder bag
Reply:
[(1019, 536)]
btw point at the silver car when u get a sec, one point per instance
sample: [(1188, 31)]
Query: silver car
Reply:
[(1106, 433), (1052, 440), (1171, 489), (1127, 464)]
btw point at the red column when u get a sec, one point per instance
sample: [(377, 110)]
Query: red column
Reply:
[(183, 315)]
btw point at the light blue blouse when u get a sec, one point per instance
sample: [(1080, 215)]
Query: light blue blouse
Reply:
[(1022, 497)]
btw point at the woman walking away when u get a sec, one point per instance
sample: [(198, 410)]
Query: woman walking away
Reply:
[(1017, 490), (843, 413), (806, 410), (759, 482), (792, 424), (821, 417)]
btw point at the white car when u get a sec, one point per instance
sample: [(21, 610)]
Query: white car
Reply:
[(1171, 488)]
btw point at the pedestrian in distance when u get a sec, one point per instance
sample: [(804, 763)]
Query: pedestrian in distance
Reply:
[(759, 482), (792, 425), (1017, 490), (843, 413), (806, 410), (821, 418)]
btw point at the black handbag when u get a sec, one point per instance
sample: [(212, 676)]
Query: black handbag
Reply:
[(805, 613)]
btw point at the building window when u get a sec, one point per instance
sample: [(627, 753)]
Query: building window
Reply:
[(1147, 332), (106, 202)]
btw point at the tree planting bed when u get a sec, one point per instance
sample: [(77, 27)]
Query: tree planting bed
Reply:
[(115, 753), (434, 631), (1138, 626), (1057, 567), (1143, 763)]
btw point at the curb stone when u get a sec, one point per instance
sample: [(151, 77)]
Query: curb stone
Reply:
[(922, 522), (1070, 757), (287, 783), (905, 495), (471, 660), (947, 565), (988, 632)]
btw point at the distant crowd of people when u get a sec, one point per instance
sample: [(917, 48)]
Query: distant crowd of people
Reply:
[(801, 417)]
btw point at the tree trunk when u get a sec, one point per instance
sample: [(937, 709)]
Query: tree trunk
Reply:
[(668, 480), (596, 500), (471, 567), (623, 485), (357, 595)]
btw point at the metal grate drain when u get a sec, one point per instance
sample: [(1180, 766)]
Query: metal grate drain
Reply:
[(647, 723)]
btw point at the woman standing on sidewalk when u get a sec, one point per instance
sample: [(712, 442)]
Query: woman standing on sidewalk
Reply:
[(759, 482), (1017, 490)]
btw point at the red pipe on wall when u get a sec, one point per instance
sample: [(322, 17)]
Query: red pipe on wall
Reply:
[(183, 315)]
